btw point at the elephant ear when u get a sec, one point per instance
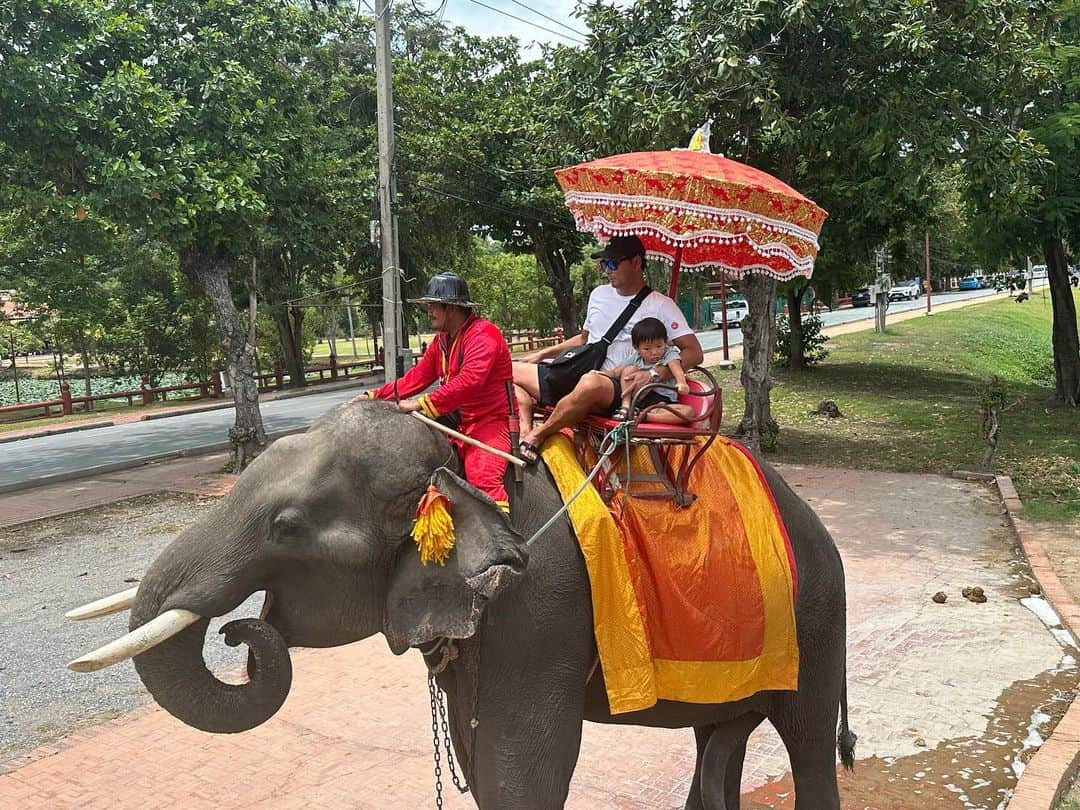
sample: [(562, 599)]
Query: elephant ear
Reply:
[(426, 602)]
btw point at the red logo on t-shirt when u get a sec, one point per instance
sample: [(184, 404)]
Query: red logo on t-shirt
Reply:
[(674, 324)]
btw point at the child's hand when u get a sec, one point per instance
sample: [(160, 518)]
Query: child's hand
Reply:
[(682, 388)]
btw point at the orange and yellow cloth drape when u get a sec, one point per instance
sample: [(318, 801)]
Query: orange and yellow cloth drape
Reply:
[(693, 605)]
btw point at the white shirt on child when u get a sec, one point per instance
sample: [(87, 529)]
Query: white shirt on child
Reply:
[(667, 389), (605, 305)]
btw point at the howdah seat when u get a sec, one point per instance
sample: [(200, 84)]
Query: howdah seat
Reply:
[(673, 449)]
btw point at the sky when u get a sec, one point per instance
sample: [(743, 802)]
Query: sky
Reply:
[(476, 19)]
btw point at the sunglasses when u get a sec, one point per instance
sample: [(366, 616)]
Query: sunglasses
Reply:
[(608, 265)]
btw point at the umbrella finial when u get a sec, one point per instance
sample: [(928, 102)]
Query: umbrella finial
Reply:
[(699, 141)]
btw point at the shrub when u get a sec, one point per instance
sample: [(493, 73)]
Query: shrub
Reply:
[(813, 342)]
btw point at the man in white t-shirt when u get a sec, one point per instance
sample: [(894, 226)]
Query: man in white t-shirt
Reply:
[(623, 261)]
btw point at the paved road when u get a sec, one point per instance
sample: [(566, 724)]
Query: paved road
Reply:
[(37, 458), (713, 338), (70, 452)]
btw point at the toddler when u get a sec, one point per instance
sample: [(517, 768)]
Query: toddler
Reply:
[(649, 337)]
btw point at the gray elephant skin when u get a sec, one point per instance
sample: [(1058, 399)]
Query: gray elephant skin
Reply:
[(321, 521)]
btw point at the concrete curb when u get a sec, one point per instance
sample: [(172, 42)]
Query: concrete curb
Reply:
[(1057, 761), (149, 417), (56, 432), (116, 466)]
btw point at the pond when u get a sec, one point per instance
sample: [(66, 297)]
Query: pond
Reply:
[(32, 390)]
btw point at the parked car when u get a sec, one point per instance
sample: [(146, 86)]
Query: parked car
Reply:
[(905, 290), (971, 283), (737, 309), (861, 297)]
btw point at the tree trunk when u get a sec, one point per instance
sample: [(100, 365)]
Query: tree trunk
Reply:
[(1064, 336), (209, 268), (796, 359), (757, 428), (84, 350), (290, 348), (297, 314), (558, 276)]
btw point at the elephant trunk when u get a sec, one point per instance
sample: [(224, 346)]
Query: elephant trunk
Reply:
[(176, 675)]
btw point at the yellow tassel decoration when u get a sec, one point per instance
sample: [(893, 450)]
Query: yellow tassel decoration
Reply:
[(433, 529)]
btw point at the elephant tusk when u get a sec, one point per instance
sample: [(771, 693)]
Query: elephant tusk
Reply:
[(139, 640), (105, 606)]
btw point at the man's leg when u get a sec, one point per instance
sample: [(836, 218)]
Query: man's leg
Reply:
[(484, 470), (527, 393), (594, 392)]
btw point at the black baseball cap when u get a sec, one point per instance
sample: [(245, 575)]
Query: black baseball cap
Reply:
[(621, 247)]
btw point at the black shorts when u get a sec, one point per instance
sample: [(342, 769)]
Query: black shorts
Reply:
[(652, 398), (547, 400)]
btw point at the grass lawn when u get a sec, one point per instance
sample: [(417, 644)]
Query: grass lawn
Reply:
[(909, 402), (364, 348)]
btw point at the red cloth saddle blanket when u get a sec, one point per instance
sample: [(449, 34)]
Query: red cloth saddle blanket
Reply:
[(690, 604)]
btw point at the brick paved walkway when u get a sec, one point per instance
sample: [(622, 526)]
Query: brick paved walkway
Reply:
[(928, 684)]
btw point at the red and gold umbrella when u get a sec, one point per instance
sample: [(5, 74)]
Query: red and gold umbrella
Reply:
[(696, 209)]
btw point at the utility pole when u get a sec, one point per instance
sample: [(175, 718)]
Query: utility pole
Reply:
[(928, 288), (880, 290), (391, 280)]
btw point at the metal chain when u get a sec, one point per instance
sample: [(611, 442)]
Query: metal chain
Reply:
[(438, 718), (449, 748), (433, 692)]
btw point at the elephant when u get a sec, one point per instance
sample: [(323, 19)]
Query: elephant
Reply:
[(321, 522)]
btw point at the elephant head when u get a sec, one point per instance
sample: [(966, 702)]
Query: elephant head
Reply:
[(321, 522)]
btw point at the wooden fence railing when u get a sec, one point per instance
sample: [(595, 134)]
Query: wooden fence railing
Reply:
[(211, 389)]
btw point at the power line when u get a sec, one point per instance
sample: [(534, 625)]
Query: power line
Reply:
[(529, 22), (431, 15), (329, 290), (552, 19)]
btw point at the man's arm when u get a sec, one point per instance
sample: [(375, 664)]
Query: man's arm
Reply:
[(557, 349), (690, 353), (415, 380)]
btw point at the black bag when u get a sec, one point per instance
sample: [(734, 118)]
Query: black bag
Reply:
[(564, 371)]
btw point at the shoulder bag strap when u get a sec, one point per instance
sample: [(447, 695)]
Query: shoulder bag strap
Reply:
[(624, 316)]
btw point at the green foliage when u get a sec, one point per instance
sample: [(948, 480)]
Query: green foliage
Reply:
[(510, 289), (18, 337), (108, 294), (813, 341)]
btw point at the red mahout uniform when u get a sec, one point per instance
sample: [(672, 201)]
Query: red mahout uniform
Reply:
[(474, 369)]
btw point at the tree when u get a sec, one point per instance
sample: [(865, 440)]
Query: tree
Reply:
[(1054, 218), (510, 288), (489, 154), (171, 118), (854, 104)]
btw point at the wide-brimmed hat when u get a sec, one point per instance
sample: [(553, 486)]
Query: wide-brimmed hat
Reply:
[(621, 247), (446, 288)]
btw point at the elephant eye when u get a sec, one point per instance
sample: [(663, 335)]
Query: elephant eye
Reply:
[(288, 525)]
